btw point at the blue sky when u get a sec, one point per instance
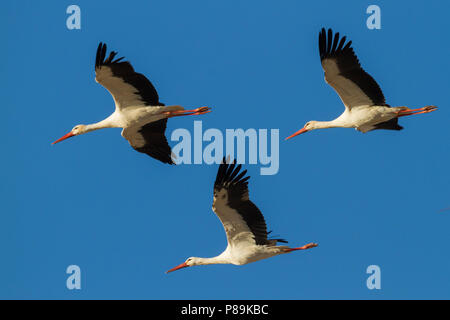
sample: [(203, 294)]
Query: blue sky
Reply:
[(124, 218)]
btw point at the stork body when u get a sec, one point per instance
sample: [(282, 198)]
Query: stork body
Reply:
[(362, 118), (365, 105), (138, 109), (244, 224)]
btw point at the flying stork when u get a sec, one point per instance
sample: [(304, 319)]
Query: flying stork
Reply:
[(138, 109), (365, 106), (243, 223)]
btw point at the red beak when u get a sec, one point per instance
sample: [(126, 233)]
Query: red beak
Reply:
[(64, 137), (303, 130), (183, 265)]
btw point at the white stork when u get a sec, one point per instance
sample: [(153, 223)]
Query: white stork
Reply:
[(365, 106), (138, 109), (243, 223)]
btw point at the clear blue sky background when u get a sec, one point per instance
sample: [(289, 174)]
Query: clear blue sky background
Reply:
[(125, 218)]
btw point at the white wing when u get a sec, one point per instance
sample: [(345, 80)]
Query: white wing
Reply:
[(127, 87), (343, 72), (243, 222)]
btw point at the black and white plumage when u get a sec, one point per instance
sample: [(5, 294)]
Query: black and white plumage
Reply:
[(243, 222), (138, 109), (233, 207), (344, 73), (127, 87), (365, 105), (154, 141)]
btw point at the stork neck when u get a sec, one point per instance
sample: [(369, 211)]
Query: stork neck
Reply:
[(220, 259), (329, 124), (107, 123)]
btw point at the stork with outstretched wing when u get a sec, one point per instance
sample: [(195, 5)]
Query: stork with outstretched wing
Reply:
[(244, 224), (365, 105), (138, 109)]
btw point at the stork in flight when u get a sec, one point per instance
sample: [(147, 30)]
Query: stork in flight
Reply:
[(138, 109), (365, 106), (243, 223)]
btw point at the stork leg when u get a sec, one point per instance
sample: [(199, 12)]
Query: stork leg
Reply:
[(178, 113), (408, 112), (306, 246)]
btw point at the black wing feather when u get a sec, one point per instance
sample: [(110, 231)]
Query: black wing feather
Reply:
[(348, 64), (125, 71), (235, 182), (156, 145), (389, 125)]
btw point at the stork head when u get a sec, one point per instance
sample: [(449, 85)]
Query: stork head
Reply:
[(77, 130), (310, 125), (192, 261)]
